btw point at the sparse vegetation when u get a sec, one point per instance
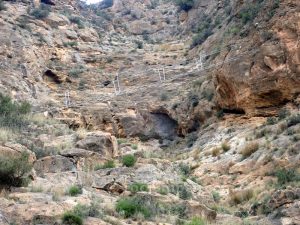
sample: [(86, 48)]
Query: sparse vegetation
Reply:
[(293, 120), (134, 146), (129, 160), (75, 72), (77, 20), (249, 149), (131, 206), (180, 190), (196, 221), (285, 176), (106, 165), (13, 170), (75, 190), (216, 196), (238, 197), (163, 190), (185, 169), (42, 12), (249, 12), (12, 114)]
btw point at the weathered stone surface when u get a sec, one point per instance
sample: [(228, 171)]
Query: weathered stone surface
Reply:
[(15, 150), (54, 164), (100, 142)]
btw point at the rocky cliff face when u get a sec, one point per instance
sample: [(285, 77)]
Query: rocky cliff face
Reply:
[(203, 96)]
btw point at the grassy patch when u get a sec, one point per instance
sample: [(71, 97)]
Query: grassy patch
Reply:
[(241, 196), (106, 165), (131, 206), (196, 221), (285, 176)]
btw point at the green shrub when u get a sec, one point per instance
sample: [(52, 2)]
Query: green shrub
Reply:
[(185, 5), (75, 72), (70, 218), (12, 114), (14, 169), (285, 176), (203, 31), (42, 12), (283, 113), (75, 190), (81, 85), (180, 210), (134, 146), (139, 44), (196, 221), (249, 12), (216, 196), (163, 190), (185, 169), (77, 20), (180, 190), (84, 211), (293, 120), (130, 206), (137, 187), (70, 44), (107, 165), (129, 160)]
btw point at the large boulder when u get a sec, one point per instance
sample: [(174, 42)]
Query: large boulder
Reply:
[(16, 150), (54, 164), (103, 143), (262, 78)]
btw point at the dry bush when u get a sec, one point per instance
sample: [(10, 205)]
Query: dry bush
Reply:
[(239, 197), (249, 149), (225, 146), (215, 152)]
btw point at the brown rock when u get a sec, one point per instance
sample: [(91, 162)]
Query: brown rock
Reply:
[(54, 164), (100, 142)]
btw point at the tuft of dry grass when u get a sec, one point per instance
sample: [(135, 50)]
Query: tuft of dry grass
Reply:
[(5, 134), (215, 152), (81, 133), (249, 149), (239, 197), (225, 146)]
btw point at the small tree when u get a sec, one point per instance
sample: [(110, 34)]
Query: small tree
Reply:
[(14, 169), (185, 5)]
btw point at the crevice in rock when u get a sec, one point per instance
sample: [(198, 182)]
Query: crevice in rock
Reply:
[(50, 76), (48, 2), (235, 111)]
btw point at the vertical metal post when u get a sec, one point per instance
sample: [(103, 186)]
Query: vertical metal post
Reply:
[(118, 82), (159, 74), (201, 61)]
